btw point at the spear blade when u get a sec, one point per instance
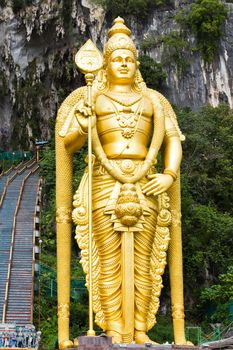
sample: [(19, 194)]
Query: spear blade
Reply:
[(89, 59)]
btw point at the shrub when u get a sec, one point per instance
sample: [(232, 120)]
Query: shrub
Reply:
[(205, 19), (152, 72), (125, 8), (17, 5)]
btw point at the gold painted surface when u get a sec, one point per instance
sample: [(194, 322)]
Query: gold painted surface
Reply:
[(63, 310), (135, 210), (63, 215)]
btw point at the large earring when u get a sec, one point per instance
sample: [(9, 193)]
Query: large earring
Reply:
[(102, 80), (139, 84)]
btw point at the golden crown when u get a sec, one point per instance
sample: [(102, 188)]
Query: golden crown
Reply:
[(119, 38)]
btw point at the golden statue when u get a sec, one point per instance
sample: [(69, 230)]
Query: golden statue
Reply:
[(135, 210)]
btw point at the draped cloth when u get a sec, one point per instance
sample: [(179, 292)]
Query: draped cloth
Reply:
[(151, 237)]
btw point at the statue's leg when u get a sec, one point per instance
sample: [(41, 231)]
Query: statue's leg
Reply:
[(143, 283), (108, 243)]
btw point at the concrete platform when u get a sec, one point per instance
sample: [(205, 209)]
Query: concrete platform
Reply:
[(105, 343)]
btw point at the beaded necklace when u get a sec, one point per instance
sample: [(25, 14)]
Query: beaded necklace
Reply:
[(124, 101), (127, 119)]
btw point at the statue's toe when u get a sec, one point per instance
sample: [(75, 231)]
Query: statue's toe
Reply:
[(189, 343), (142, 338), (116, 337)]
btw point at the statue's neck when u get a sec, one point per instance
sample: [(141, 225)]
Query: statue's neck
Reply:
[(120, 88)]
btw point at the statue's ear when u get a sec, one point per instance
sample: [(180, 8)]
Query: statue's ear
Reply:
[(138, 64), (100, 81)]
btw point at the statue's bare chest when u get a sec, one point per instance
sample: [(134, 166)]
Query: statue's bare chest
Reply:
[(125, 114), (113, 103)]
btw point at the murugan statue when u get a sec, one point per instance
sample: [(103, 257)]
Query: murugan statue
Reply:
[(135, 209)]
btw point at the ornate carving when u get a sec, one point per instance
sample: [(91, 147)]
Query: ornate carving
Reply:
[(63, 310), (63, 215), (128, 208), (178, 311), (158, 256), (176, 218)]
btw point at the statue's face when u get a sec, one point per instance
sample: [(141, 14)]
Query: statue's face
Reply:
[(121, 67)]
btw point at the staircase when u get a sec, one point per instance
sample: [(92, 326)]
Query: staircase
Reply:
[(17, 223), (10, 174)]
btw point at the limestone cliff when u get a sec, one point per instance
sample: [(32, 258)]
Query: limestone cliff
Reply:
[(37, 71)]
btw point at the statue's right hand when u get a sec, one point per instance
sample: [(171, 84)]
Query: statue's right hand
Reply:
[(82, 113)]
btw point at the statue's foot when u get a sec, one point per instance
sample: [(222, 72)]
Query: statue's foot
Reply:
[(75, 342), (65, 344), (116, 337), (189, 343), (142, 338)]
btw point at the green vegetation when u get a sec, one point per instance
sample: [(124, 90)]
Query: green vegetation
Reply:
[(205, 18), (152, 72), (150, 42), (17, 5), (220, 297), (206, 200), (29, 92), (175, 49), (125, 8), (33, 91), (7, 164)]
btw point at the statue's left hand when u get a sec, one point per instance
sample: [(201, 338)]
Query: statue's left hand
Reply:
[(159, 184)]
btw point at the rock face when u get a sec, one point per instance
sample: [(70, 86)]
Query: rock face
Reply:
[(37, 70)]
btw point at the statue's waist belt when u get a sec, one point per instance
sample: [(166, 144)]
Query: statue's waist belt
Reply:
[(128, 167)]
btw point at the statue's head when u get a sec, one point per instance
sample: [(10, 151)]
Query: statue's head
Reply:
[(119, 38), (120, 59), (120, 55)]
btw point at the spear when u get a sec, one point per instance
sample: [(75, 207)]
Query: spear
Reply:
[(89, 60)]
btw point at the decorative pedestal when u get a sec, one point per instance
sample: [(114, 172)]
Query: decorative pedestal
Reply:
[(105, 343), (94, 343)]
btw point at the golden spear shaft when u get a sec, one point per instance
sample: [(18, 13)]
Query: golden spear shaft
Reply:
[(89, 80), (89, 60)]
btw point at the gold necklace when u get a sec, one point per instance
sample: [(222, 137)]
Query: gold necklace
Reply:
[(123, 103), (128, 121)]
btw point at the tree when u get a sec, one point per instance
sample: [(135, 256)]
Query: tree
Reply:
[(207, 196)]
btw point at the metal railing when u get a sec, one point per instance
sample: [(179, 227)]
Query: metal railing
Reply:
[(12, 243), (34, 244), (27, 165)]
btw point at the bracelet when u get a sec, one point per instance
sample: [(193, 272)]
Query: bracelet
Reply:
[(170, 172)]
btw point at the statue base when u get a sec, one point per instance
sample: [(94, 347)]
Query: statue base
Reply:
[(105, 343), (95, 343)]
